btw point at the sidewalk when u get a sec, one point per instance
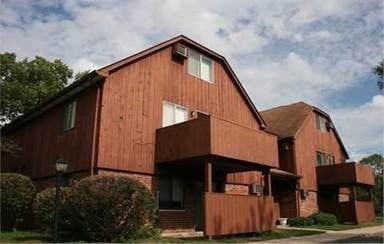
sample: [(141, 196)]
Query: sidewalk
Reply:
[(372, 234)]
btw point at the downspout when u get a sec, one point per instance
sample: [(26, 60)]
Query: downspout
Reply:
[(96, 127), (297, 190)]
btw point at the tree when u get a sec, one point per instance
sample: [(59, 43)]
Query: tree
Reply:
[(26, 83), (378, 70), (377, 162)]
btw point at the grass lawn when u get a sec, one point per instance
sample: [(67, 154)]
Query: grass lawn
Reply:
[(278, 234), (23, 236), (379, 221)]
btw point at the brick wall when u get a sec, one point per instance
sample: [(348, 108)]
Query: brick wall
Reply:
[(236, 189), (309, 205)]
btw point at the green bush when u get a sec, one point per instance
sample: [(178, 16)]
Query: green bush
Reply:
[(301, 221), (107, 209), (44, 206), (17, 193), (324, 219)]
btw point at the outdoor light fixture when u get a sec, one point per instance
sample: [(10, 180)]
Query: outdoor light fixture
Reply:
[(61, 167)]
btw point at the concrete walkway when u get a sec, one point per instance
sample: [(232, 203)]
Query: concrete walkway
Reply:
[(372, 234)]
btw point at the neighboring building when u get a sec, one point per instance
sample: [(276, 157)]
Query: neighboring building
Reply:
[(176, 118), (318, 179)]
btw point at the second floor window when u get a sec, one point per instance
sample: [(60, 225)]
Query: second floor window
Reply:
[(323, 159), (200, 66), (320, 157), (173, 113), (69, 116), (321, 123)]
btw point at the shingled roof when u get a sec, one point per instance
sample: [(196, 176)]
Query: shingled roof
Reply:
[(285, 121)]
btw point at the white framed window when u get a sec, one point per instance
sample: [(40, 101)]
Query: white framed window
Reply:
[(321, 123), (69, 116), (173, 113), (200, 65)]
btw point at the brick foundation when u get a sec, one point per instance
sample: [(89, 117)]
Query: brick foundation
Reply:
[(236, 189), (309, 206)]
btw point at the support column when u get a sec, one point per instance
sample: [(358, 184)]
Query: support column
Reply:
[(267, 183), (208, 176), (354, 194), (208, 188)]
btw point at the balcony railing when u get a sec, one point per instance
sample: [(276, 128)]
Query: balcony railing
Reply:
[(345, 174), (208, 135), (231, 214)]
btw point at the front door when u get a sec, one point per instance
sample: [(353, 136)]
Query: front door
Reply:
[(199, 189)]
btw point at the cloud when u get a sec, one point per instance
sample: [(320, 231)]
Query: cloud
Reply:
[(361, 128), (282, 51)]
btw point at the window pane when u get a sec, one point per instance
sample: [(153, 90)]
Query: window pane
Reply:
[(168, 114), (177, 190), (318, 122), (318, 158), (206, 67), (323, 124), (193, 62), (72, 115), (164, 189), (181, 114)]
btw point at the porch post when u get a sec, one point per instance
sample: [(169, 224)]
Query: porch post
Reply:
[(208, 176), (208, 188), (267, 183), (354, 193)]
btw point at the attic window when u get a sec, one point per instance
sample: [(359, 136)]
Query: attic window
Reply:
[(200, 66), (321, 123)]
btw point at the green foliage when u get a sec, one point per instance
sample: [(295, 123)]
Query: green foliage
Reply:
[(378, 70), (26, 83), (17, 193), (324, 219), (377, 162), (301, 221), (107, 209), (44, 206)]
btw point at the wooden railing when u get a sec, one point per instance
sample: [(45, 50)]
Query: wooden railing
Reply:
[(345, 174), (226, 214), (208, 135), (352, 211)]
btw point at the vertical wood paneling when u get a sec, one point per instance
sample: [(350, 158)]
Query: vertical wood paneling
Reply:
[(307, 142), (135, 93), (42, 141), (232, 214)]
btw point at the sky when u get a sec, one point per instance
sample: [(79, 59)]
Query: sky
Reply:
[(320, 52)]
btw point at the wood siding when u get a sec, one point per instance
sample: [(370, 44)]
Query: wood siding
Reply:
[(208, 135), (132, 107), (345, 174), (42, 141), (226, 214), (308, 141)]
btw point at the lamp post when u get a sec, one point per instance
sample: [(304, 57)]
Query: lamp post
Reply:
[(61, 167)]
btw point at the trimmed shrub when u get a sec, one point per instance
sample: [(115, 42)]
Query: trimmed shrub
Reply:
[(324, 219), (17, 193), (44, 207), (301, 221), (107, 209)]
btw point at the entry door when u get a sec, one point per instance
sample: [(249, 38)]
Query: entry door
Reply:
[(199, 189)]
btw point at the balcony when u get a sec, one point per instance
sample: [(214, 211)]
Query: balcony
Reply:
[(231, 214), (208, 135), (345, 174)]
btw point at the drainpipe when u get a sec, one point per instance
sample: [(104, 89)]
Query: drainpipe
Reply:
[(96, 127)]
